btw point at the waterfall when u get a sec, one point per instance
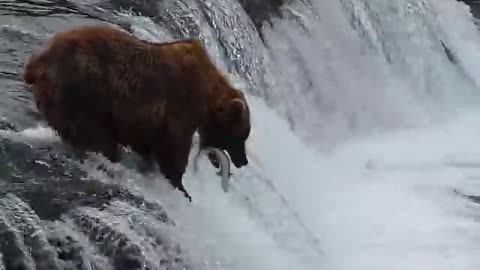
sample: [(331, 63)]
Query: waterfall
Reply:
[(362, 151)]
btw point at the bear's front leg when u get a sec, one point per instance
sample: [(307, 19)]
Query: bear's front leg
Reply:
[(172, 159)]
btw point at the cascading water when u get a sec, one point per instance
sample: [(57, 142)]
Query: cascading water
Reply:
[(363, 65), (330, 75)]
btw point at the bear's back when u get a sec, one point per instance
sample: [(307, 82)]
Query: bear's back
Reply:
[(136, 71)]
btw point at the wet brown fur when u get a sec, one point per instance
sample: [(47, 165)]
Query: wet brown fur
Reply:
[(99, 87)]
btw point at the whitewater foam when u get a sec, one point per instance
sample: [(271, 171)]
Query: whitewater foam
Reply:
[(384, 202)]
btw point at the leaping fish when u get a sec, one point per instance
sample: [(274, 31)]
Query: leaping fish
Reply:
[(223, 162)]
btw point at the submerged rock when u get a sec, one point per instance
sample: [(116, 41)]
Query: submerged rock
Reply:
[(46, 203)]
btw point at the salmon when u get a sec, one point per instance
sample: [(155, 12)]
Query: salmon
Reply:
[(224, 164)]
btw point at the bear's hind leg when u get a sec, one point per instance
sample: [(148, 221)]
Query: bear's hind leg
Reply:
[(106, 144), (145, 162), (96, 136)]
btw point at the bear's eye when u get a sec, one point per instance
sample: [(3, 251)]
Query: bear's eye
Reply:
[(241, 133), (219, 109), (235, 138)]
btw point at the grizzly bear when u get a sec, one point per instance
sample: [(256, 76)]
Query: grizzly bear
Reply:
[(100, 88)]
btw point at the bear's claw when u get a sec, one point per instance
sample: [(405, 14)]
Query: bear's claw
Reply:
[(184, 191)]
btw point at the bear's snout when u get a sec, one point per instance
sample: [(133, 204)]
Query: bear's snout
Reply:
[(241, 163), (239, 159)]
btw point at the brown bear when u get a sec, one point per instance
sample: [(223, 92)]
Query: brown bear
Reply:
[(99, 87)]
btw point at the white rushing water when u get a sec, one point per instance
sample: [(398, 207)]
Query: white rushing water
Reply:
[(363, 79)]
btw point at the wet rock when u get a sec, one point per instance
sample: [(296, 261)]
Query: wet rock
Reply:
[(474, 5), (261, 11), (47, 190)]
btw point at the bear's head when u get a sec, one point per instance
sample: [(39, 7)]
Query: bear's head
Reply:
[(228, 128)]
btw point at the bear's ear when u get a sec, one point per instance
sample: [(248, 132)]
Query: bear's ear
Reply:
[(237, 109)]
